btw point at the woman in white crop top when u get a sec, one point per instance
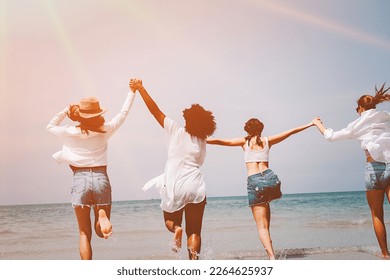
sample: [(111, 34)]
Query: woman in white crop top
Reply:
[(372, 128), (263, 185), (182, 187)]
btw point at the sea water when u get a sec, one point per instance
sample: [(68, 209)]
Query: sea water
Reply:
[(313, 226)]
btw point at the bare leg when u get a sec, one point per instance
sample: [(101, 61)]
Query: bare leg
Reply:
[(262, 216), (194, 244), (178, 233), (173, 224), (177, 239), (85, 231), (194, 219), (375, 200), (103, 226)]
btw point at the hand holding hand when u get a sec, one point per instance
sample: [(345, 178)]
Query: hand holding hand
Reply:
[(317, 121), (135, 84), (132, 85)]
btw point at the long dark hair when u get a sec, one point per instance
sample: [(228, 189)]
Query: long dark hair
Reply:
[(86, 124), (254, 128), (369, 102)]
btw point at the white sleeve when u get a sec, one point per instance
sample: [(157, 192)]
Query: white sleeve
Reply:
[(53, 126), (170, 126), (119, 119), (346, 133)]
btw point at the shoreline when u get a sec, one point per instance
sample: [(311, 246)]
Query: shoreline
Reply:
[(319, 253)]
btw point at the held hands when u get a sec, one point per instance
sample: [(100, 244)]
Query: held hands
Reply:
[(135, 84), (317, 121), (132, 85)]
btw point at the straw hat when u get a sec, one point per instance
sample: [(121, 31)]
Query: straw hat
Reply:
[(89, 107)]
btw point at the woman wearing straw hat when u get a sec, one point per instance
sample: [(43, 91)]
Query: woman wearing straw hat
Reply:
[(85, 150)]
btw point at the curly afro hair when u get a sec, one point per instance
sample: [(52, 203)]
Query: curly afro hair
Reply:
[(199, 122)]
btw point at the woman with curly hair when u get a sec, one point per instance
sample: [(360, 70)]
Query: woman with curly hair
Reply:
[(263, 185), (372, 128), (182, 187), (85, 150)]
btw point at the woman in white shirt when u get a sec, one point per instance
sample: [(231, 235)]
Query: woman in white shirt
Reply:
[(85, 150), (182, 187), (263, 185), (372, 128)]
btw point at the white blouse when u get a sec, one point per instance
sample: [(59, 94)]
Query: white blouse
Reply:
[(86, 150), (372, 128), (182, 181)]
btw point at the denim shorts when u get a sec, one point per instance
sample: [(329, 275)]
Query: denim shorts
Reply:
[(263, 187), (91, 188), (377, 175)]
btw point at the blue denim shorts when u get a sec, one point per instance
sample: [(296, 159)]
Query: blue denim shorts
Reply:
[(263, 187), (377, 175), (91, 188)]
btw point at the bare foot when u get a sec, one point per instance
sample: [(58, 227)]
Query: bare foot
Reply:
[(177, 239), (385, 254), (271, 254), (105, 224), (192, 254)]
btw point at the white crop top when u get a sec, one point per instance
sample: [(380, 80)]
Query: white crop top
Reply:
[(256, 156)]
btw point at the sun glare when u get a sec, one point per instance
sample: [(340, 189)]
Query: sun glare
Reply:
[(66, 43), (3, 54), (325, 23)]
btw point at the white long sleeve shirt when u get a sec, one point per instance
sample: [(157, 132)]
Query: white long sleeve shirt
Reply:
[(86, 150), (372, 128)]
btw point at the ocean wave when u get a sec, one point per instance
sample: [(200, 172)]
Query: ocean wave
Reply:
[(315, 253), (341, 223), (353, 252)]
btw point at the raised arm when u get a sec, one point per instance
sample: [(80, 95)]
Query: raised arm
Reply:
[(53, 126), (349, 132), (152, 106), (272, 140), (119, 119), (226, 142)]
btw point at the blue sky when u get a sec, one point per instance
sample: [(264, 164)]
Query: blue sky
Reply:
[(284, 62)]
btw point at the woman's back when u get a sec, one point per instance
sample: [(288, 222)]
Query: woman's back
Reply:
[(182, 180), (372, 128), (184, 148)]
